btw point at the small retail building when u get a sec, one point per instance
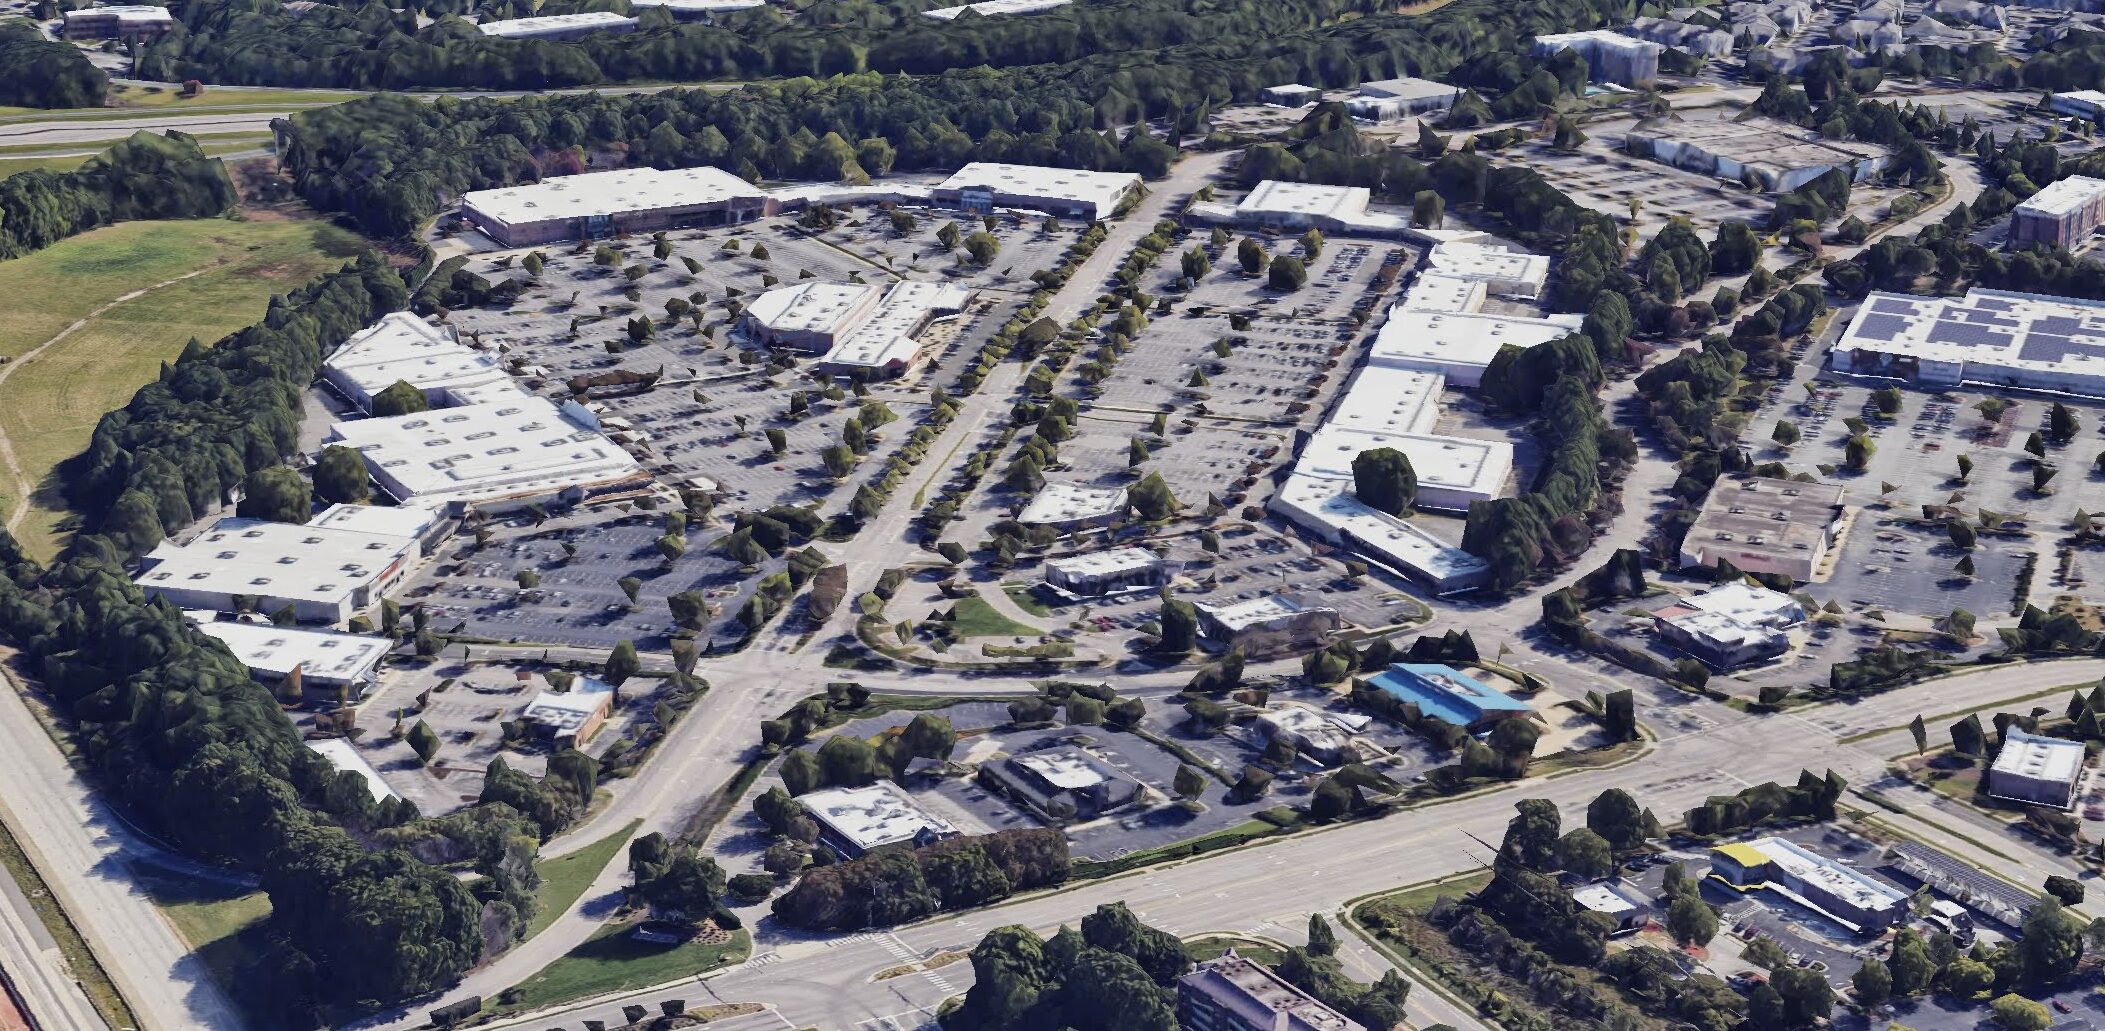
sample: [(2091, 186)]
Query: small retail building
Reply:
[(2082, 103), (2061, 214), (983, 186), (990, 8), (1731, 625), (874, 332), (699, 10), (559, 26), (1230, 993), (1274, 623), (1445, 693), (1389, 100), (1765, 525), (626, 200), (1070, 506), (345, 756), (1855, 899), (2037, 770), (1292, 94), (127, 22), (569, 719), (324, 575), (334, 668), (1107, 574), (1617, 899), (1325, 737), (855, 821), (1062, 784), (402, 348)]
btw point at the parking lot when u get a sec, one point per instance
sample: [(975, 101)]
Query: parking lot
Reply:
[(1892, 567), (1339, 278)]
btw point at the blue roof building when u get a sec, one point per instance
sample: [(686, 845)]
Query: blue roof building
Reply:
[(1446, 693)]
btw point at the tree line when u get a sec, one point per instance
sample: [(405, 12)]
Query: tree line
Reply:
[(1126, 51), (141, 177), (36, 71)]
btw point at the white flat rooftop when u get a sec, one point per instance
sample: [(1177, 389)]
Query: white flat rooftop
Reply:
[(1099, 563), (1279, 197), (2083, 96), (868, 817), (994, 7), (1406, 89), (1329, 504), (569, 710), (281, 560), (275, 650), (587, 20), (1860, 890), (1257, 611), (1440, 292), (1748, 604), (406, 521), (484, 452), (2036, 757), (343, 755), (1102, 189), (1449, 463), (710, 6), (1492, 264), (810, 307), (608, 193), (1994, 329), (1065, 502), (889, 334), (1385, 400), (1423, 339), (129, 14), (404, 348), (2063, 196), (1062, 769)]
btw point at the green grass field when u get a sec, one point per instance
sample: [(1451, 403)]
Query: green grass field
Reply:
[(564, 879), (224, 925), (49, 404), (977, 618), (611, 962), (68, 158), (126, 100)]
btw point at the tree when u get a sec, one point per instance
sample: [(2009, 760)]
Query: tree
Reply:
[(1180, 627), (399, 399), (1921, 733), (1785, 434), (1886, 400), (1136, 453), (2062, 424), (1383, 479), (2067, 889), (1965, 468), (1806, 995), (1428, 211), (2035, 445), (1961, 533), (1251, 255), (631, 587), (622, 663), (2051, 943), (1857, 453), (424, 741), (1322, 941), (947, 234), (277, 493), (1151, 498), (1691, 921), (982, 247), (1615, 816), (340, 476), (1531, 837), (1287, 274), (1311, 244), (2018, 1013), (1910, 964), (1873, 984), (1584, 853)]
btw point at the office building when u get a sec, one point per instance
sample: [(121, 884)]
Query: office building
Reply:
[(1322, 736), (1293, 95), (1776, 155), (1323, 508), (983, 186), (2061, 214), (1108, 574), (1230, 993), (1069, 507), (1271, 624), (1389, 100), (1447, 694), (877, 332), (699, 10), (855, 821), (1986, 338), (126, 22), (1700, 40), (2037, 770), (1610, 56), (402, 348), (324, 575), (1731, 625), (334, 668), (492, 457), (2082, 103), (344, 755), (1764, 525), (570, 719), (627, 200), (991, 8), (1617, 899), (558, 27), (1061, 784), (1855, 899)]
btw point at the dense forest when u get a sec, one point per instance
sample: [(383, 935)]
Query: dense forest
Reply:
[(145, 176), (40, 72), (1147, 50)]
